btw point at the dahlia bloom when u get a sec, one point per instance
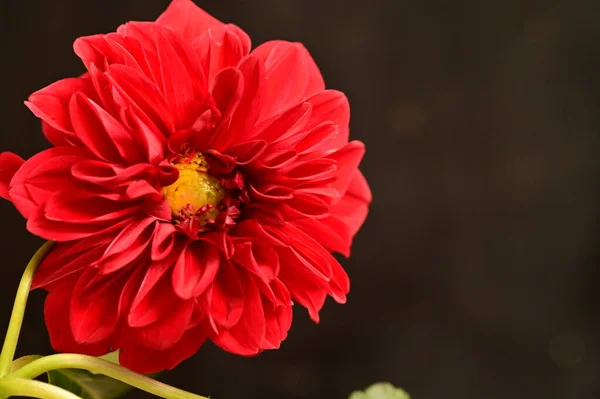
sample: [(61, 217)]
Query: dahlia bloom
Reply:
[(195, 189)]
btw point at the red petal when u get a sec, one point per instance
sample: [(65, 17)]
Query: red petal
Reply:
[(227, 89), (277, 160), (43, 175), (142, 190), (143, 94), (95, 50), (56, 316), (9, 165), (331, 106), (101, 133), (163, 242), (311, 271), (67, 258), (316, 172), (131, 288), (331, 232), (309, 291), (359, 188), (310, 253), (222, 47), (98, 52), (322, 260), (54, 230), (51, 104), (271, 195), (284, 125), (247, 152), (254, 231), (145, 360), (93, 320), (291, 72), (182, 79), (185, 17), (93, 208), (183, 63), (114, 177), (318, 141), (96, 172), (353, 207), (153, 300), (195, 270), (225, 297), (259, 258), (251, 103), (305, 206), (278, 316), (249, 107), (128, 245), (147, 135), (169, 329), (347, 160), (246, 337)]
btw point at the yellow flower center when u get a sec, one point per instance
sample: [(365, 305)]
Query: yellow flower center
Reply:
[(195, 188)]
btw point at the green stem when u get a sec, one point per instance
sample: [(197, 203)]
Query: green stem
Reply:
[(101, 366), (32, 389), (22, 361), (16, 319)]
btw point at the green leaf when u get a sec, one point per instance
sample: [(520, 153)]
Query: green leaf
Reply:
[(87, 385), (382, 390)]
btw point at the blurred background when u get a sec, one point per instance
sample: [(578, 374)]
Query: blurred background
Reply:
[(476, 274)]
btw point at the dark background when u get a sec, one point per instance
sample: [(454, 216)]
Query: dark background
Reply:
[(476, 273)]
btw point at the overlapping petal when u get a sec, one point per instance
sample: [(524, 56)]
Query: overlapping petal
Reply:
[(131, 272)]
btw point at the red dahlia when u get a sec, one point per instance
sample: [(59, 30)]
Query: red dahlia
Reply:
[(194, 188)]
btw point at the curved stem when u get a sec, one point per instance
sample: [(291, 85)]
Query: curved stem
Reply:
[(100, 366), (33, 389), (22, 361), (16, 319)]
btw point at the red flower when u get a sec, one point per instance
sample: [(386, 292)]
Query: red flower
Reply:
[(195, 189)]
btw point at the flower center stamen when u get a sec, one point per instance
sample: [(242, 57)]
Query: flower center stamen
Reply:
[(195, 190)]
